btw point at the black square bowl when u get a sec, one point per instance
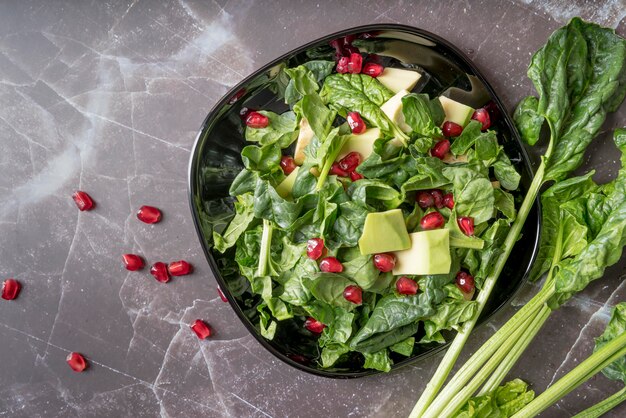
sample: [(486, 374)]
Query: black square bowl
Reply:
[(215, 161)]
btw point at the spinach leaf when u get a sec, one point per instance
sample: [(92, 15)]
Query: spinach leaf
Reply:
[(379, 360), (282, 130), (504, 203), (328, 288), (615, 327), (244, 215), (505, 172), (319, 117), (347, 228), (404, 347), (331, 353), (269, 205), (503, 402), (263, 160), (423, 115), (473, 193), (452, 312), (361, 269), (430, 175), (245, 182), (304, 79), (341, 328), (527, 120), (395, 170), (368, 191), (471, 133)]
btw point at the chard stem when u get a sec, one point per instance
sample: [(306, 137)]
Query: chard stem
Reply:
[(266, 242)]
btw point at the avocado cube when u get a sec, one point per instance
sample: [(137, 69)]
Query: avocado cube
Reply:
[(384, 232), (429, 254)]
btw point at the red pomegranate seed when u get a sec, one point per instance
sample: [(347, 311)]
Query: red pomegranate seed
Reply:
[(450, 129), (406, 286), (132, 262), (350, 162), (348, 39), (83, 200), (76, 361), (492, 109), (288, 164), (10, 289), (257, 120), (313, 325), (331, 265), (440, 149), (353, 294), (222, 295), (437, 197), (201, 328), (384, 262), (159, 271), (149, 214), (350, 49), (179, 268), (432, 220), (238, 95), (355, 63), (354, 176), (424, 199), (337, 171), (314, 248), (372, 69), (466, 223), (448, 200), (482, 116), (244, 112), (342, 65), (465, 282), (338, 45), (357, 125)]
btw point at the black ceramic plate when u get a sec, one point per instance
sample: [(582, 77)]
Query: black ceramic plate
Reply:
[(215, 161)]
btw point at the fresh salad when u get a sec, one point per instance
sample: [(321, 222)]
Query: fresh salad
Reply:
[(368, 213)]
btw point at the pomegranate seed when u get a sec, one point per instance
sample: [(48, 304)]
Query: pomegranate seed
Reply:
[(314, 248), (201, 328), (336, 170), (257, 120), (482, 116), (437, 197), (448, 200), (432, 220), (132, 262), (353, 294), (10, 289), (244, 112), (406, 286), (83, 200), (313, 325), (425, 200), (342, 65), (159, 271), (331, 265), (350, 162), (354, 176), (338, 45), (492, 109), (355, 62), (372, 69), (222, 295), (149, 214), (465, 282), (288, 164), (348, 39), (384, 262), (350, 49), (440, 149), (76, 361), (356, 123), (179, 268), (466, 224), (450, 129), (238, 95)]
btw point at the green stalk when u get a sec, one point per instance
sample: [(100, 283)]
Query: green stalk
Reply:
[(475, 244), (606, 355), (330, 159), (266, 242), (605, 406)]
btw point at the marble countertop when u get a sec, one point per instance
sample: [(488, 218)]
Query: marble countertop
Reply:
[(107, 97)]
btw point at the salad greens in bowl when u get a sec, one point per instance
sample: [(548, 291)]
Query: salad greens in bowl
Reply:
[(352, 196)]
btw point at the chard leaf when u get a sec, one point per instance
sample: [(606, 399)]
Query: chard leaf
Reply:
[(282, 130), (503, 402)]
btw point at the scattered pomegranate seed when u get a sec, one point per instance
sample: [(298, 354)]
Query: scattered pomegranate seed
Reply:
[(406, 286), (314, 248), (336, 170), (313, 325), (331, 265), (350, 162), (10, 289), (132, 262), (424, 199), (353, 294), (159, 271), (384, 262), (83, 200), (288, 164), (342, 65), (355, 63), (201, 328), (432, 220), (257, 120), (465, 282), (451, 129), (179, 268), (222, 295), (357, 125), (372, 69), (448, 200), (466, 223), (440, 149), (354, 176), (76, 361), (482, 116), (438, 198), (149, 214)]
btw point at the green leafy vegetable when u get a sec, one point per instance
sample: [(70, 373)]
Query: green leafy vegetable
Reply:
[(281, 130)]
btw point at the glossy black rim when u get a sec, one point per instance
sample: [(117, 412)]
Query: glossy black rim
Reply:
[(193, 190)]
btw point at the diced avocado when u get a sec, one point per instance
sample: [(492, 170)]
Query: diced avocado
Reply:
[(384, 232), (393, 109), (456, 112), (285, 186), (362, 143), (397, 79), (429, 254), (304, 137)]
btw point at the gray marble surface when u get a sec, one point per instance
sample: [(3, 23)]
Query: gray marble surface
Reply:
[(106, 96)]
